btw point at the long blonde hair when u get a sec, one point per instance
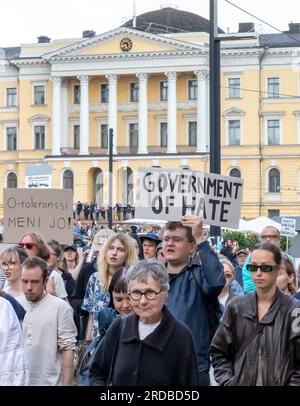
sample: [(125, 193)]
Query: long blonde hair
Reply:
[(130, 257)]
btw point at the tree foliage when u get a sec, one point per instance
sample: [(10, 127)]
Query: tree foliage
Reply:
[(245, 240)]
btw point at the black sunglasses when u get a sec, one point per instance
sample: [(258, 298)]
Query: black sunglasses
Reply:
[(263, 268)]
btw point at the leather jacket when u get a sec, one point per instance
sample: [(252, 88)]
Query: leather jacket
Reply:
[(278, 342)]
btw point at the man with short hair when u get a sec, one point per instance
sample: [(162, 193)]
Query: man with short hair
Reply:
[(149, 243), (193, 285), (49, 329)]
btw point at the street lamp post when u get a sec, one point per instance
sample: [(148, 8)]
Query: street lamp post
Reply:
[(110, 172), (214, 99)]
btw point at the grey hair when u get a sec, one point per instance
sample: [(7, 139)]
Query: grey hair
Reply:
[(142, 270), (225, 261)]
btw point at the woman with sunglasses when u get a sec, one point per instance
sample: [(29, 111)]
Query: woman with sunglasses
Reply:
[(258, 340), (35, 246)]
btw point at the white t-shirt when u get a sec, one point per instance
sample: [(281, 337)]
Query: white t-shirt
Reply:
[(146, 329)]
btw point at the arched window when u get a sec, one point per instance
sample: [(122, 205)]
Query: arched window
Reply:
[(235, 172), (12, 180), (274, 181), (98, 186), (68, 180)]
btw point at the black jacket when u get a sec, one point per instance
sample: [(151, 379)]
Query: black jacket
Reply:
[(279, 342), (166, 357)]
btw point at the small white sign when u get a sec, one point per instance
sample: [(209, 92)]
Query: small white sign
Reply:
[(288, 227), (38, 181)]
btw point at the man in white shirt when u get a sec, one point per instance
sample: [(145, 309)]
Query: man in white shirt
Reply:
[(49, 329)]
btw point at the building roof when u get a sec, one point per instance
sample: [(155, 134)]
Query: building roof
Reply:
[(12, 52), (169, 20), (279, 40)]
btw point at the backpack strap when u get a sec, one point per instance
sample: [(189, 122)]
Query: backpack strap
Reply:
[(258, 329), (109, 381)]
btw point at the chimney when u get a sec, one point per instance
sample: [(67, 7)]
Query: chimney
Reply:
[(294, 28), (43, 39), (246, 27), (88, 34)]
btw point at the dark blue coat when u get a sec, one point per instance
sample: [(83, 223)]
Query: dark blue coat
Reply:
[(187, 300)]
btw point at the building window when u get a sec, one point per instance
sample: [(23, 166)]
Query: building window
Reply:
[(234, 132), (134, 92), (192, 89), (104, 136), (273, 213), (68, 180), (76, 94), (235, 172), (192, 133), (39, 94), (273, 87), (133, 135), (11, 97), (273, 132), (163, 91), (76, 136), (104, 93), (234, 87), (12, 180), (39, 137), (163, 135), (11, 138), (274, 181)]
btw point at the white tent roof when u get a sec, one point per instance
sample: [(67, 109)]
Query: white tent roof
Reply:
[(258, 224), (145, 221)]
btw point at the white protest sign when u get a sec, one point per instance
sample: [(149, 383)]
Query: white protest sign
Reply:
[(48, 212), (288, 227), (39, 177), (169, 194)]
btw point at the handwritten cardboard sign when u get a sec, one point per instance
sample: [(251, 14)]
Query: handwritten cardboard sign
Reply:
[(45, 211), (169, 194)]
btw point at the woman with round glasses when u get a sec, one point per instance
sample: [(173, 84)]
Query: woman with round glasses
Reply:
[(149, 347), (258, 340), (11, 263)]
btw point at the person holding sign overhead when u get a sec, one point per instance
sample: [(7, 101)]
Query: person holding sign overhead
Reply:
[(193, 285)]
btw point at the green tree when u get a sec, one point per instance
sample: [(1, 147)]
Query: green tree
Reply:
[(245, 240)]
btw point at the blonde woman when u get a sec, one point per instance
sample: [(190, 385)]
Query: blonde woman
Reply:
[(11, 264), (118, 252)]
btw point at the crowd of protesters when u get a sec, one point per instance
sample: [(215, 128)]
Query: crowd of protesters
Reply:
[(99, 212), (149, 306)]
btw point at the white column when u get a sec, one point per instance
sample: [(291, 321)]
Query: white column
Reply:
[(84, 115), (143, 113), (112, 107), (64, 114), (172, 117), (202, 111), (56, 116)]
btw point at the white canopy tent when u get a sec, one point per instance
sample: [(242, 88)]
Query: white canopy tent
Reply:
[(258, 224), (145, 221)]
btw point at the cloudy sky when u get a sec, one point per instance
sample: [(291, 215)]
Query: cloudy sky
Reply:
[(22, 21)]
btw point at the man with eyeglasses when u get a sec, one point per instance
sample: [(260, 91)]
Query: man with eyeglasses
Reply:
[(192, 285), (268, 234)]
